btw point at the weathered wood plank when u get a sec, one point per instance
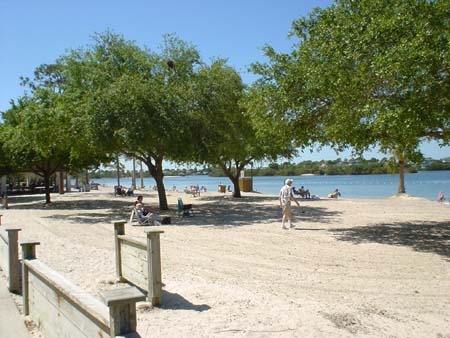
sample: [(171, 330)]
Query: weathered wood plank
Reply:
[(57, 317), (132, 241), (136, 278), (15, 270), (122, 309), (119, 229), (79, 298), (154, 267), (131, 250), (138, 265), (9, 257)]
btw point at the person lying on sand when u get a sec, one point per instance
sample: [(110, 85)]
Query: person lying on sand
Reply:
[(334, 194)]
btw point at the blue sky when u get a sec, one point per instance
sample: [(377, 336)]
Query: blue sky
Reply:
[(37, 32)]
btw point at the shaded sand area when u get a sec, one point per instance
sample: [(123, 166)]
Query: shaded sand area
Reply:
[(370, 268)]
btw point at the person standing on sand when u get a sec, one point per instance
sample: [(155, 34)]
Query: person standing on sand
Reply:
[(285, 198)]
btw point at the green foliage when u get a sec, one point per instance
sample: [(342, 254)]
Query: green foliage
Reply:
[(364, 73), (228, 133), (438, 165), (139, 102), (351, 167)]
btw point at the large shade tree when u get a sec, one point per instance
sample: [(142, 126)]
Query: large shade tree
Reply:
[(35, 138), (231, 133), (7, 165), (365, 73), (138, 100), (43, 132)]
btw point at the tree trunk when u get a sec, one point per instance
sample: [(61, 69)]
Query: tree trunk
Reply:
[(233, 178), (401, 171), (161, 193), (141, 173), (61, 182), (133, 178), (156, 171), (47, 188), (237, 189), (118, 170), (159, 178), (3, 188), (68, 183)]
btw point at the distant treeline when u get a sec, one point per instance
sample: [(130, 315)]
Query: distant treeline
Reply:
[(358, 166), (337, 167)]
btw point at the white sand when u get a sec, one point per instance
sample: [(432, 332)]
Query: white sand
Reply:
[(371, 268)]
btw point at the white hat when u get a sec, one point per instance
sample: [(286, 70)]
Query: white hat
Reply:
[(288, 181)]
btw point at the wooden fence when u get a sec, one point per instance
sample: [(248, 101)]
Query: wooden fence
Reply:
[(139, 262), (9, 257), (61, 309)]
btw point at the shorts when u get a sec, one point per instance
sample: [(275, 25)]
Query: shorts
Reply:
[(287, 211)]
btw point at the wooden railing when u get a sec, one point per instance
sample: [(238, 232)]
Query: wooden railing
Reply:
[(9, 257), (61, 309), (139, 262)]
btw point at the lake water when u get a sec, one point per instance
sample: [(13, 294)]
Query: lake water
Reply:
[(426, 184)]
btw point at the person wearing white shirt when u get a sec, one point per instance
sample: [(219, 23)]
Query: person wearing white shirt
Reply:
[(285, 198)]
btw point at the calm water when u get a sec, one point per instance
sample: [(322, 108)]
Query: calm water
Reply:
[(425, 184)]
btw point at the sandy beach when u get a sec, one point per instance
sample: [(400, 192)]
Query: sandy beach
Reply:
[(364, 268)]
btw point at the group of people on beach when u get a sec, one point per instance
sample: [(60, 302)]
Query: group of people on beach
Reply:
[(302, 192), (123, 191), (195, 190), (286, 196)]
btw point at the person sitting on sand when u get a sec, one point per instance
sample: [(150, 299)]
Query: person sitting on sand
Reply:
[(130, 192), (334, 194), (120, 191), (146, 212), (142, 209), (304, 192)]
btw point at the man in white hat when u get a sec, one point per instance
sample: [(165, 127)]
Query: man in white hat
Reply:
[(286, 196)]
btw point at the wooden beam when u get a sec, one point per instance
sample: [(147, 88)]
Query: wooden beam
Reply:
[(122, 309), (28, 253), (119, 230), (154, 267)]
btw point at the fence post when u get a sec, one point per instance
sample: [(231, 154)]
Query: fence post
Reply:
[(13, 259), (28, 253), (154, 267), (119, 230), (122, 309)]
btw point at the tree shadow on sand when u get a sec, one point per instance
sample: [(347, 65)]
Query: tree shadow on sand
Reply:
[(218, 211), (231, 212), (91, 218), (430, 237), (34, 204)]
